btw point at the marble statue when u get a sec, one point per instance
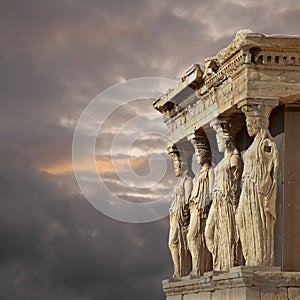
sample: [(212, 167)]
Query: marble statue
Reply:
[(256, 213), (220, 232), (179, 217), (199, 205)]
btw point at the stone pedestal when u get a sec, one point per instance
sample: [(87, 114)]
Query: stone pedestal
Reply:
[(240, 283)]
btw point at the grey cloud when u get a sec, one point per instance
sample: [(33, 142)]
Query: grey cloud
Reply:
[(57, 240)]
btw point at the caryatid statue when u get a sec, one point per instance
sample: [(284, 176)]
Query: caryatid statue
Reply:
[(179, 215), (256, 213), (220, 231), (199, 205)]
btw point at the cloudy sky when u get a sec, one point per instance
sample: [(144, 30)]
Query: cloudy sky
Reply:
[(56, 56)]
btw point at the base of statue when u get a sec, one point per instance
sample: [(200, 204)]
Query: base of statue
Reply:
[(240, 283)]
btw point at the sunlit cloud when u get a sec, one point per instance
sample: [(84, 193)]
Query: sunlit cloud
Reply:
[(105, 165)]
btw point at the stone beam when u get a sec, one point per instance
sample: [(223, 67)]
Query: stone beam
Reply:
[(253, 69)]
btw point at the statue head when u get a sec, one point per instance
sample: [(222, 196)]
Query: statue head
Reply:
[(224, 135), (202, 150), (180, 164), (257, 117), (226, 129)]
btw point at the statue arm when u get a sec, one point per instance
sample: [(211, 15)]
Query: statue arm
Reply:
[(211, 180), (270, 159)]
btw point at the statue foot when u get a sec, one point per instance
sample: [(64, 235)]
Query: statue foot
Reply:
[(195, 273), (176, 276)]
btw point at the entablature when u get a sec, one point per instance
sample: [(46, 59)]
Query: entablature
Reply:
[(253, 66)]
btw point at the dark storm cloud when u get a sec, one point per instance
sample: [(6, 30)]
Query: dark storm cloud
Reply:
[(53, 240), (55, 57)]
